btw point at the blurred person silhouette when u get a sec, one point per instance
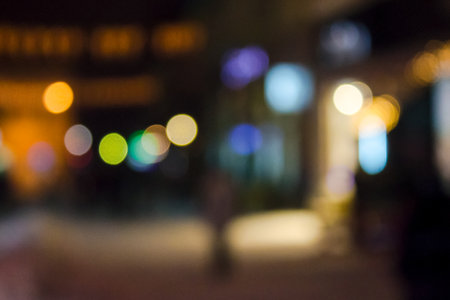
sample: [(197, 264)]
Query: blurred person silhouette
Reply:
[(218, 195)]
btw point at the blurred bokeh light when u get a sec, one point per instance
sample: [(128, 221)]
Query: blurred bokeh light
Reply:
[(58, 97), (40, 42), (78, 139), (139, 156), (179, 38), (345, 42), (147, 140), (245, 139), (155, 142), (289, 88), (428, 66), (425, 67), (120, 42), (372, 145), (41, 157), (113, 148), (348, 99), (242, 66), (181, 129), (386, 107)]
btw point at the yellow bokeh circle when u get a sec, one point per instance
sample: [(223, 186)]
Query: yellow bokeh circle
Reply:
[(181, 130), (58, 97)]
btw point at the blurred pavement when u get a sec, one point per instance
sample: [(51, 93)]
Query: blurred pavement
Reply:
[(45, 257)]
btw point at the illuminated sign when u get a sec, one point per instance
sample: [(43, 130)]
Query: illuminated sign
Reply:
[(25, 96), (177, 39), (102, 43)]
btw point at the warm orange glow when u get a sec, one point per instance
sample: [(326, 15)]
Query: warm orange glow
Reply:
[(29, 43), (58, 97), (117, 42), (178, 38), (425, 67), (21, 96), (388, 109), (10, 40), (19, 135), (40, 41), (25, 96), (443, 55), (104, 43), (63, 42), (385, 107)]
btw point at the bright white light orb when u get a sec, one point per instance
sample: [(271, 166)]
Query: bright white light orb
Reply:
[(348, 99)]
